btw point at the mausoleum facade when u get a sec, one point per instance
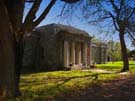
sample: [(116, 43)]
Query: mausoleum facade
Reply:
[(57, 46)]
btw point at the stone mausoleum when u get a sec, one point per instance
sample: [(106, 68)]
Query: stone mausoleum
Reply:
[(57, 46)]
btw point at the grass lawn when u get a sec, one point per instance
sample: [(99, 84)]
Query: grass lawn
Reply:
[(116, 66), (52, 84)]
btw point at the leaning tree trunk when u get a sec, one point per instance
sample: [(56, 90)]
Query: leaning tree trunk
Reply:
[(7, 56), (124, 52)]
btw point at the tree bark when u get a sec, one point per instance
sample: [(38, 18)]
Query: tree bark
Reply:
[(7, 59), (124, 52), (19, 51)]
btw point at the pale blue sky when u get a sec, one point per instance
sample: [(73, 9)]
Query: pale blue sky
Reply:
[(56, 10)]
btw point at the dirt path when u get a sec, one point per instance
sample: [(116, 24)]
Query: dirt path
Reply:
[(99, 70), (122, 89)]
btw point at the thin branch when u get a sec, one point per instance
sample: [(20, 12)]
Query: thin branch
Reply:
[(62, 10), (99, 19), (105, 17), (30, 1), (114, 6), (71, 1), (121, 4), (114, 21), (131, 35), (132, 13)]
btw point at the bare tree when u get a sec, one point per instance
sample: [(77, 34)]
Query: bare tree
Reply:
[(12, 32)]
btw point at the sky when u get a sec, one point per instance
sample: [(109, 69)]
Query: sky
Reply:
[(52, 17)]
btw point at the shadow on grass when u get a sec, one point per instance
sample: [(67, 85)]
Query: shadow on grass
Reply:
[(59, 87), (112, 92)]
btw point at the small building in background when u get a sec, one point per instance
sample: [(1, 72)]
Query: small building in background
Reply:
[(131, 55), (98, 53)]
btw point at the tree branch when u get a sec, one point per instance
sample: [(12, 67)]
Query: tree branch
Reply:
[(121, 4), (132, 13), (44, 14), (31, 15), (62, 10), (70, 1), (114, 6), (114, 21), (30, 1), (117, 11), (131, 35)]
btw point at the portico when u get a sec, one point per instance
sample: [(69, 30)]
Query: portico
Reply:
[(75, 54)]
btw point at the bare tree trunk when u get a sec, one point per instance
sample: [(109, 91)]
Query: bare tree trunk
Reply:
[(7, 59), (14, 18), (124, 52), (19, 50)]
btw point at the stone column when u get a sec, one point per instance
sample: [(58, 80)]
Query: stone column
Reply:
[(106, 54), (73, 53), (85, 54), (77, 54), (78, 50), (66, 53), (89, 54), (101, 54)]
